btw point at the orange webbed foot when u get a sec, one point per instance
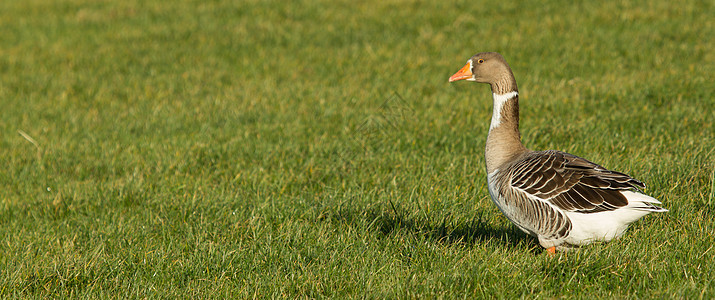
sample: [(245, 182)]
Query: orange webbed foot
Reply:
[(551, 251)]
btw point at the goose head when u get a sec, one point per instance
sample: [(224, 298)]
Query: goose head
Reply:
[(487, 67)]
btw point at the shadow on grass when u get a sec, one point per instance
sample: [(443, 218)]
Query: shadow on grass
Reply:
[(391, 221)]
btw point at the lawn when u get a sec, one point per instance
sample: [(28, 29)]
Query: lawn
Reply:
[(309, 149)]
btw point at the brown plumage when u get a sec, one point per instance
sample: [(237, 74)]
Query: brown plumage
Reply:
[(560, 198)]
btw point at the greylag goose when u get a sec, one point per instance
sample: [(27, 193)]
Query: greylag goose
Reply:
[(562, 199)]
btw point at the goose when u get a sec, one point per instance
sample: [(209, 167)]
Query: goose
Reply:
[(563, 200)]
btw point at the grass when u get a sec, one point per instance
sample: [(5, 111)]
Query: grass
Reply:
[(315, 149)]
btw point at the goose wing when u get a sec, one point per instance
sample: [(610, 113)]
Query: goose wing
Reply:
[(571, 183)]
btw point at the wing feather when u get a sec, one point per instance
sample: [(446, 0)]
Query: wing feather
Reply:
[(570, 183)]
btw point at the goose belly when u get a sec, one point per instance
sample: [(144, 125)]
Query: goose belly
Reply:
[(607, 225)]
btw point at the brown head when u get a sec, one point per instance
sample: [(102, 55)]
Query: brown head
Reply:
[(491, 68)]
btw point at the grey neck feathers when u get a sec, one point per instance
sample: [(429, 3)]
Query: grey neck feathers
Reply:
[(504, 140), (505, 84)]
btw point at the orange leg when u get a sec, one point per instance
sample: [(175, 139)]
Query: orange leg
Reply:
[(551, 251)]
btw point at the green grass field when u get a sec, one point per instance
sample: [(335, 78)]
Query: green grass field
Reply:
[(311, 149)]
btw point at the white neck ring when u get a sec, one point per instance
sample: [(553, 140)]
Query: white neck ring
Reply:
[(499, 101)]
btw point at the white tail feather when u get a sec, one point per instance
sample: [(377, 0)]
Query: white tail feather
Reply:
[(642, 202)]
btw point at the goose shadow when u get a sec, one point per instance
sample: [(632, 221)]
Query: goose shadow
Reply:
[(388, 221)]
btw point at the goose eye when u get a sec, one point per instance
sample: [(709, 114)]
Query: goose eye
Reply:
[(480, 61)]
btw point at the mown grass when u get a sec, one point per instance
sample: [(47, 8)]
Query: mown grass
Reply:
[(314, 148)]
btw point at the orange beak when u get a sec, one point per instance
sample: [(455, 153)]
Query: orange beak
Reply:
[(463, 73)]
